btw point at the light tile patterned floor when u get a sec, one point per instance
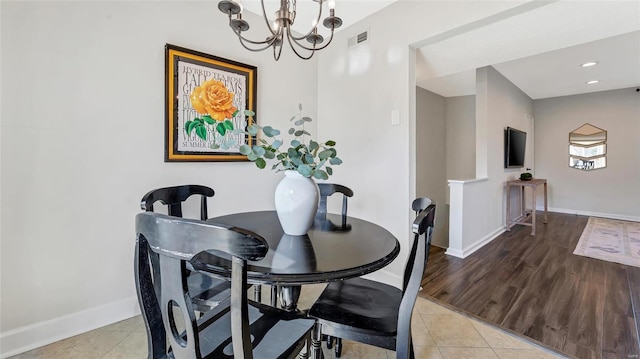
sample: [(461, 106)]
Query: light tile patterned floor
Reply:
[(438, 333)]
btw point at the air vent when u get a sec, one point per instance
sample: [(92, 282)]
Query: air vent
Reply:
[(360, 38)]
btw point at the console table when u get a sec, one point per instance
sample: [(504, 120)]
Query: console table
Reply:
[(522, 220)]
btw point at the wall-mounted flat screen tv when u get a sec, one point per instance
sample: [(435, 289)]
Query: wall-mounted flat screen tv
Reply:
[(515, 142)]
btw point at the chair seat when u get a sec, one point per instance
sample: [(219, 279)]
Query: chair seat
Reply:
[(359, 305), (274, 333), (207, 291)]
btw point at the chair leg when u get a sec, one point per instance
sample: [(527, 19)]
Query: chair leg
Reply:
[(257, 293), (338, 347), (329, 341)]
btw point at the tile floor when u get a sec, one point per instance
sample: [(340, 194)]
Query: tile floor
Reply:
[(438, 333)]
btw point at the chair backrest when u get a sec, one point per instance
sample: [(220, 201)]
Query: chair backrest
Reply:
[(416, 263), (174, 196), (420, 204), (328, 189), (175, 241)]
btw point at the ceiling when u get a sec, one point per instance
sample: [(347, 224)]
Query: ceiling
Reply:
[(558, 73), (350, 11), (539, 49)]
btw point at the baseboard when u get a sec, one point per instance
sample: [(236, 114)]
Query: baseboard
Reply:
[(33, 336), (385, 276), (591, 214), (465, 252)]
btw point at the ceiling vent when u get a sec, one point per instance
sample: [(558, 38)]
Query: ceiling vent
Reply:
[(359, 39)]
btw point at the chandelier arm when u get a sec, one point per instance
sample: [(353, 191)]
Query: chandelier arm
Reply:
[(310, 48), (313, 27), (266, 19), (243, 40), (279, 52), (291, 43), (268, 42)]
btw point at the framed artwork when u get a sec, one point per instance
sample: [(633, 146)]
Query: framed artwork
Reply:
[(210, 101)]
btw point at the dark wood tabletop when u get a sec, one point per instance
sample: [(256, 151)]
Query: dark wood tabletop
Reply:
[(329, 251)]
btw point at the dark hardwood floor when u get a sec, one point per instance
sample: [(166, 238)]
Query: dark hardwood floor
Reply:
[(534, 286)]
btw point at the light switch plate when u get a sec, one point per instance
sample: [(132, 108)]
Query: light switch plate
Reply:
[(395, 117)]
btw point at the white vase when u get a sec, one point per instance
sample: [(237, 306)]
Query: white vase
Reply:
[(296, 200)]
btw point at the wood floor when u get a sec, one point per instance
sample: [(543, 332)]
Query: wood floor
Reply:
[(534, 286)]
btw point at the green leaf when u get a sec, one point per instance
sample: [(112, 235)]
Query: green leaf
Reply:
[(308, 158), (186, 127), (276, 144), (333, 152), (307, 119), (258, 150), (191, 126), (234, 114), (252, 156), (214, 146), (249, 113), (299, 122), (270, 131), (305, 170), (261, 163), (292, 130), (295, 143), (296, 161), (269, 155), (323, 155), (320, 174), (298, 133), (245, 149), (228, 125), (306, 133), (199, 120), (293, 153), (253, 130), (208, 119), (300, 106), (313, 145), (221, 129), (201, 132), (335, 161), (330, 143), (292, 118), (330, 171)]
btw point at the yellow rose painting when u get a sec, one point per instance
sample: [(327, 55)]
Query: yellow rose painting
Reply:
[(213, 98), (214, 102)]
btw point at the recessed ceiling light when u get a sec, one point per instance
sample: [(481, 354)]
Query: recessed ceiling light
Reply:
[(592, 82), (589, 64)]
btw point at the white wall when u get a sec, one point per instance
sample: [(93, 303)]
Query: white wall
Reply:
[(613, 191), (358, 90), (431, 179), (82, 141)]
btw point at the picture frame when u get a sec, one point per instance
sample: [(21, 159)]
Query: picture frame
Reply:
[(208, 99)]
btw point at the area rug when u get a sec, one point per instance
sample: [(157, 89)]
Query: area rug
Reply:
[(611, 240)]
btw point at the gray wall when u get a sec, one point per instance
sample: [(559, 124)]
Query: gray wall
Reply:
[(431, 179), (461, 137), (613, 191)]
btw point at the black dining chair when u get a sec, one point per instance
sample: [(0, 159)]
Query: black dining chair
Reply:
[(327, 190), (375, 313), (206, 291), (238, 329)]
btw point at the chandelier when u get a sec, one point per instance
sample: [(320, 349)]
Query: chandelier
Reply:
[(280, 28)]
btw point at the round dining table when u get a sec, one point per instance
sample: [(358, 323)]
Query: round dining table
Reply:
[(333, 249)]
